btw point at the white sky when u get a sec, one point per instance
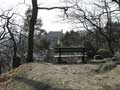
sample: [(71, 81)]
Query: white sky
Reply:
[(50, 19)]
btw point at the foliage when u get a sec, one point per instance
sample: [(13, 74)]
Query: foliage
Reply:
[(41, 44), (104, 53), (49, 57), (28, 15), (40, 40), (71, 38), (89, 49)]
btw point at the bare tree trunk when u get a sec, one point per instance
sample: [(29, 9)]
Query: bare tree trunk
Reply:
[(110, 46), (16, 60), (31, 31)]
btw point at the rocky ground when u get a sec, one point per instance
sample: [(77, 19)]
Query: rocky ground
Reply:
[(45, 76)]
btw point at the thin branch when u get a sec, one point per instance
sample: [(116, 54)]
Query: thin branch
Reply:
[(50, 8)]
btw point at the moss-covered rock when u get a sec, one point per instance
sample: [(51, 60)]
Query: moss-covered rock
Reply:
[(105, 67)]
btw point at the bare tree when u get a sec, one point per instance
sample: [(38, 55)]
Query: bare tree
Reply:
[(117, 1), (8, 27), (16, 59), (32, 28), (97, 23)]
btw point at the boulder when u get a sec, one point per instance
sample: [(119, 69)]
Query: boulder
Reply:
[(105, 67)]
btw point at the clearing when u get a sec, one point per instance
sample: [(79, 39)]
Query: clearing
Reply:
[(46, 76)]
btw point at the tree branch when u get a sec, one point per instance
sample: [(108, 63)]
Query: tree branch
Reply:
[(50, 8)]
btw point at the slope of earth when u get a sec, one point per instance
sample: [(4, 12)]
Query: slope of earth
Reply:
[(45, 76)]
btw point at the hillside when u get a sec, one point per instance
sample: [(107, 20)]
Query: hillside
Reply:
[(45, 76)]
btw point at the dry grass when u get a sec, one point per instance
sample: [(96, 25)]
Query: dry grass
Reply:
[(21, 71), (46, 76)]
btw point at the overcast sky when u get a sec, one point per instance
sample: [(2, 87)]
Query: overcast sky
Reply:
[(50, 19)]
